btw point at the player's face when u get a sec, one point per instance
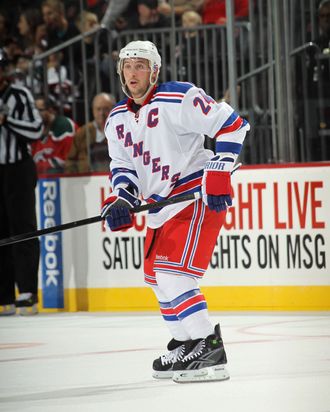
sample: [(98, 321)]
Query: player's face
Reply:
[(137, 76)]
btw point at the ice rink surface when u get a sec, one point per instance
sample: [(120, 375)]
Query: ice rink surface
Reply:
[(102, 362)]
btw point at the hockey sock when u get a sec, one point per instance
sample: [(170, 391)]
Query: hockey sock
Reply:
[(187, 302), (175, 327)]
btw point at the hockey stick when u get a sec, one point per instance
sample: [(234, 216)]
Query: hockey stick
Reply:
[(149, 206)]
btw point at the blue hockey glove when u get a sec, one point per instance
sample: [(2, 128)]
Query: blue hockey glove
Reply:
[(216, 183), (116, 209)]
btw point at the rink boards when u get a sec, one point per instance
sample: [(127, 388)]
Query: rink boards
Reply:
[(272, 254)]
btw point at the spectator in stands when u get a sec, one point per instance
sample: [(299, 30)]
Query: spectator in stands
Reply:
[(58, 29), (96, 46), (191, 19), (56, 72), (51, 151), (72, 10), (41, 36), (60, 86), (180, 7), (318, 67), (98, 7), (226, 96), (186, 50), (13, 49), (85, 22), (323, 40), (89, 151), (118, 13), (28, 24), (214, 11), (148, 16), (24, 76), (3, 27)]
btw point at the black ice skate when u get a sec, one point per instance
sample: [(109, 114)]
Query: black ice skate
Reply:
[(206, 362), (177, 350), (27, 304), (7, 310)]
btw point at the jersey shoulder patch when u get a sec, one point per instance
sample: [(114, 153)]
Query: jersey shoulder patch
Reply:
[(62, 127)]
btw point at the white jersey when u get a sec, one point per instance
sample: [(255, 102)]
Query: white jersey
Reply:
[(160, 149)]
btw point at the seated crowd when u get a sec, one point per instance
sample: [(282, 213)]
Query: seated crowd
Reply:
[(35, 27)]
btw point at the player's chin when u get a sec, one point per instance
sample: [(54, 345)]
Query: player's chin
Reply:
[(136, 94), (134, 90)]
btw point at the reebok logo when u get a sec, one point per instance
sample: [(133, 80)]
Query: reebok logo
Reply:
[(161, 257)]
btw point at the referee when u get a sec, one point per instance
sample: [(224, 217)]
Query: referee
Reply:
[(20, 124)]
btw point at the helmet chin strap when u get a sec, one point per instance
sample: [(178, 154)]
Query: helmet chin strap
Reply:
[(141, 99)]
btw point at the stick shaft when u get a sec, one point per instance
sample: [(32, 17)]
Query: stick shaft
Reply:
[(32, 235)]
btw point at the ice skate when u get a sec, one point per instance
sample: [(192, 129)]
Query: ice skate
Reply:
[(27, 304), (177, 350), (206, 362), (7, 310)]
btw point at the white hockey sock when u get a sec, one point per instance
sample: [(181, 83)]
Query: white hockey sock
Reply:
[(174, 325), (187, 302), (198, 324)]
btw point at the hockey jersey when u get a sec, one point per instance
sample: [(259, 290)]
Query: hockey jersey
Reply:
[(51, 152), (160, 149)]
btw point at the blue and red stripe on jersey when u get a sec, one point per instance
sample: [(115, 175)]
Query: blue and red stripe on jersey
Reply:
[(171, 92), (167, 97), (189, 184), (232, 124), (120, 108), (174, 87), (124, 175), (228, 147)]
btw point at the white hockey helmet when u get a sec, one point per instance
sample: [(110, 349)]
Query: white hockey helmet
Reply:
[(144, 50)]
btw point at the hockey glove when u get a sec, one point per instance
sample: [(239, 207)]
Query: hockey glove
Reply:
[(116, 209), (216, 186)]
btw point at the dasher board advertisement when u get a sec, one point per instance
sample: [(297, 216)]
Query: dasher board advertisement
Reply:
[(276, 234)]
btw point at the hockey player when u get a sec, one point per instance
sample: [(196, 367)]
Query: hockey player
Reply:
[(156, 143)]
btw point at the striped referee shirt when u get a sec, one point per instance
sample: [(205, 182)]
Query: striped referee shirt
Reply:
[(23, 124)]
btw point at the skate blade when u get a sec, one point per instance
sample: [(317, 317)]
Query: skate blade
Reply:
[(212, 373), (28, 310), (162, 375)]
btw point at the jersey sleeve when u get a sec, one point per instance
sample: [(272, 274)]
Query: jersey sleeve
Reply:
[(122, 171), (200, 113)]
